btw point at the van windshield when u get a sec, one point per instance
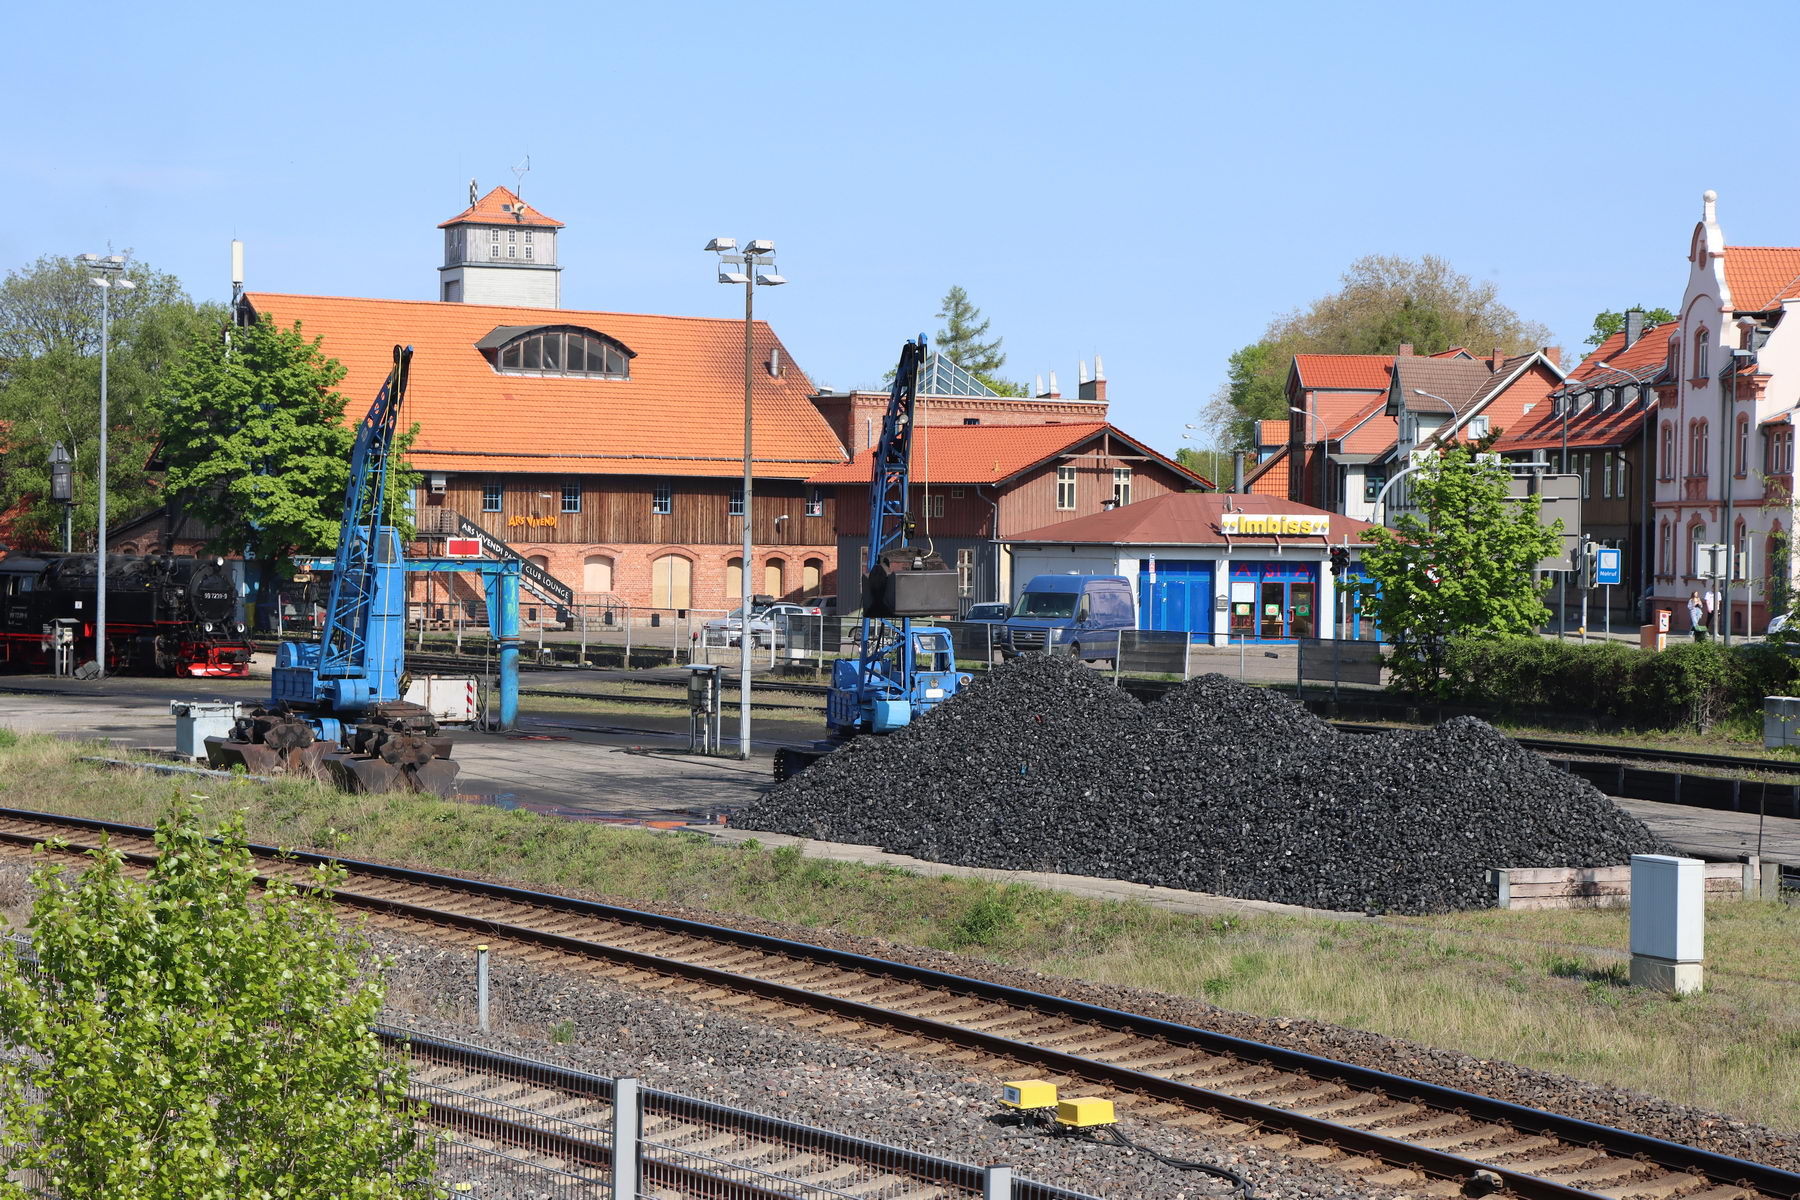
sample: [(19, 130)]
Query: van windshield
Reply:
[(1045, 604)]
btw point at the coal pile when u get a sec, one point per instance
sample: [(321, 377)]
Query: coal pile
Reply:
[(1218, 787)]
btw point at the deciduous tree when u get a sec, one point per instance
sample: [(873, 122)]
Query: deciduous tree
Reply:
[(50, 389), (1459, 561), (1608, 322), (1384, 301), (196, 1036)]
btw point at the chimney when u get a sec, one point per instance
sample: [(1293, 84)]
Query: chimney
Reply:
[(1494, 363), (1053, 393), (1039, 391), (1405, 350), (1554, 354), (1634, 326), (1237, 470), (1094, 389)]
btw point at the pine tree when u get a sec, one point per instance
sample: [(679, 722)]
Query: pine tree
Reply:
[(960, 339)]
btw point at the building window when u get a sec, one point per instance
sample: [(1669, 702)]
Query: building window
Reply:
[(1780, 452), (1696, 537), (736, 508), (965, 572), (512, 235), (1065, 487), (1701, 358), (1587, 476), (512, 252), (597, 574), (937, 504), (1742, 462), (1122, 485), (957, 493), (775, 578), (565, 351), (1666, 452), (1606, 470), (1478, 427), (812, 573), (815, 502), (734, 580), (571, 497), (493, 252), (662, 501), (490, 497), (493, 235), (1697, 450), (1373, 482), (528, 252), (1666, 551), (528, 237)]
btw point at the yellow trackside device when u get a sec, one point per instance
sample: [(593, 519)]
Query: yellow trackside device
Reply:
[(1028, 1093), (1084, 1111)]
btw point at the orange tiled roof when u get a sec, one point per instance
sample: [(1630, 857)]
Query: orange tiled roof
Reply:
[(1370, 431), (1271, 433), (680, 413), (981, 454), (1758, 276), (501, 207), (1344, 371), (1641, 359), (1270, 477)]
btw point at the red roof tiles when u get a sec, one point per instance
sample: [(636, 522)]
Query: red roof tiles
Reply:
[(978, 454), (501, 207), (680, 412), (1367, 372), (1759, 276)]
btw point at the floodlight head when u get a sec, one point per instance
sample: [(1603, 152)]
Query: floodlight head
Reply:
[(115, 258), (733, 277), (99, 281), (87, 258), (722, 244), (126, 284), (760, 246), (771, 280)]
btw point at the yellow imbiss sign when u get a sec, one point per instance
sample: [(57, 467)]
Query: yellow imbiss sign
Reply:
[(1277, 524)]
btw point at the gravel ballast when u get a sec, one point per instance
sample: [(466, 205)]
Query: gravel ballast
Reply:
[(1218, 787)]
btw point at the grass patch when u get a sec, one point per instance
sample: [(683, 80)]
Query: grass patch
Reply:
[(1546, 989)]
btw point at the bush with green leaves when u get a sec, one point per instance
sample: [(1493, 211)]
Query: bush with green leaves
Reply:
[(196, 1037)]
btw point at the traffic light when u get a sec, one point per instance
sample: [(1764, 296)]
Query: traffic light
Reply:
[(1340, 559)]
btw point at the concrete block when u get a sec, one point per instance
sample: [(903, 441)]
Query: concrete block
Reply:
[(1677, 978)]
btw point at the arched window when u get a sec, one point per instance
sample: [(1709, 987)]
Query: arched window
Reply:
[(1666, 452), (812, 573), (1665, 551), (557, 350), (1696, 536), (734, 579), (670, 578), (597, 573), (1697, 461), (1742, 460), (775, 578), (1702, 341), (541, 561)]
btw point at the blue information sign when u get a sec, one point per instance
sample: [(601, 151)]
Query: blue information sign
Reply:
[(1606, 567)]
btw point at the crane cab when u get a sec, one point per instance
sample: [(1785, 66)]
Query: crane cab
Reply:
[(912, 673)]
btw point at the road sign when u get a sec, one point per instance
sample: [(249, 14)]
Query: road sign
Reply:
[(1609, 566)]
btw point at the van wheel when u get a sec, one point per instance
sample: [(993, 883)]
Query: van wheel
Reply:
[(1075, 652)]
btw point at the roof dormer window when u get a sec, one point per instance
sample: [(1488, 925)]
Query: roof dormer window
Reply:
[(563, 350)]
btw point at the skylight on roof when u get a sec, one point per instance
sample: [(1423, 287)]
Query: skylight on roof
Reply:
[(941, 377)]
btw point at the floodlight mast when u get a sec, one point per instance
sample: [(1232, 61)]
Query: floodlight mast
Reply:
[(108, 272), (757, 253)]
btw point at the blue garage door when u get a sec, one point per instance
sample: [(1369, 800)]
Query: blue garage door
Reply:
[(1180, 597)]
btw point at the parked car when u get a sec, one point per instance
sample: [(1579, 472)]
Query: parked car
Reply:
[(768, 623), (991, 614)]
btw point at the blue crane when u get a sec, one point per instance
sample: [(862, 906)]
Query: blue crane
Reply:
[(335, 708), (902, 668)]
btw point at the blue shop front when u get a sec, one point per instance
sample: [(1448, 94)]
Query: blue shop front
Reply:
[(1224, 568)]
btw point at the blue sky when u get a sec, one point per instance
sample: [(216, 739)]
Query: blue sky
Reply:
[(1147, 182)]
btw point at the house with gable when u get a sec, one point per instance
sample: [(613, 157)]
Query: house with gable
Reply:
[(1724, 443)]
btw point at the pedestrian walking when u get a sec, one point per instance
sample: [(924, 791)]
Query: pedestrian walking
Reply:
[(1697, 616)]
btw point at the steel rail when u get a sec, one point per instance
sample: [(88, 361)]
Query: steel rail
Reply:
[(1620, 1143), (894, 1159)]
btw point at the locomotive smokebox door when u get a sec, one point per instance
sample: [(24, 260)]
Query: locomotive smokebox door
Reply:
[(910, 582)]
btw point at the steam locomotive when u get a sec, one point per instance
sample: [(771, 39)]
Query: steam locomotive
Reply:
[(165, 615)]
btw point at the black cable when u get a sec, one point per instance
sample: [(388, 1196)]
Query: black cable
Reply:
[(1181, 1164)]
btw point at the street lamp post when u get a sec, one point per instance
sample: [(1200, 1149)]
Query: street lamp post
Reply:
[(62, 491), (107, 273), (757, 254)]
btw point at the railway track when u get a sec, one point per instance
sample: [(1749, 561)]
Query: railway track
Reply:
[(1370, 1124)]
